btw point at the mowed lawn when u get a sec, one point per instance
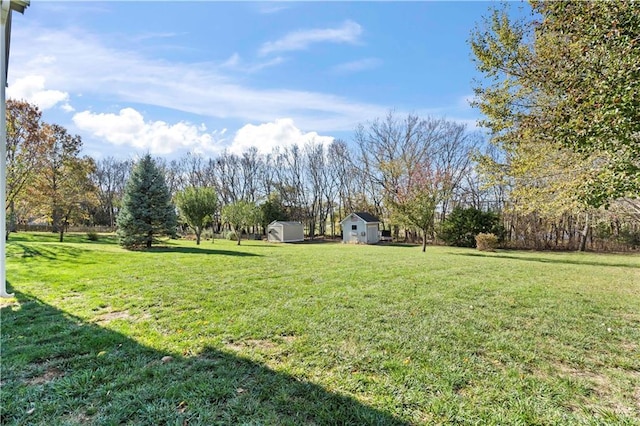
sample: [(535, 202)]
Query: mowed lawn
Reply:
[(315, 334)]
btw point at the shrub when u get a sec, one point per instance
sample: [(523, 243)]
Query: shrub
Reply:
[(92, 236), (629, 237), (462, 225), (486, 242), (232, 236)]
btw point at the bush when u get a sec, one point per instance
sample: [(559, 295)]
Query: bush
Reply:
[(486, 242), (462, 225), (232, 236), (93, 236), (629, 237)]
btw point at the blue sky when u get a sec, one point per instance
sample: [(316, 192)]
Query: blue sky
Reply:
[(172, 77)]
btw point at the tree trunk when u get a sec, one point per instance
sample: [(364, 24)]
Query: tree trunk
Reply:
[(585, 233), (61, 233), (56, 219), (198, 232), (149, 239), (12, 227), (424, 240), (239, 232)]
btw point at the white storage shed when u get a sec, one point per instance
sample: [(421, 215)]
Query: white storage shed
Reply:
[(280, 231), (360, 228)]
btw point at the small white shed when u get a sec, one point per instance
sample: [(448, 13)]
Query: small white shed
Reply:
[(360, 228), (280, 231)]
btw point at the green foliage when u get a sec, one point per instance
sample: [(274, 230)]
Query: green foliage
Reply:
[(240, 215), (630, 236), (147, 211), (93, 236), (63, 189), (418, 209), (232, 236), (197, 205), (566, 78), (462, 225), (273, 209), (486, 242), (26, 151)]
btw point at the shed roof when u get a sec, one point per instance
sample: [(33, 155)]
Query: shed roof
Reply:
[(286, 222), (368, 218)]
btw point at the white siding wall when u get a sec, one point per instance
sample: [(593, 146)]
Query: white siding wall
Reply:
[(274, 232), (285, 232), (359, 232), (293, 232)]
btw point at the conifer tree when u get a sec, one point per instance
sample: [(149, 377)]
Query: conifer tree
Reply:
[(147, 210)]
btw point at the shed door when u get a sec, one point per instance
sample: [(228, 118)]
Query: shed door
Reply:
[(372, 234)]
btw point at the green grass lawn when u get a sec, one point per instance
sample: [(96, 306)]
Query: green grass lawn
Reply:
[(313, 334)]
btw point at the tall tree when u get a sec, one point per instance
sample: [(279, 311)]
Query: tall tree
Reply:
[(147, 211), (197, 206), (413, 165), (77, 193), (568, 77), (63, 187), (26, 147), (241, 215), (109, 178)]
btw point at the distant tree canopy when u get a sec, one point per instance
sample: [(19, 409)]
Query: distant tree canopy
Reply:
[(565, 82), (147, 211)]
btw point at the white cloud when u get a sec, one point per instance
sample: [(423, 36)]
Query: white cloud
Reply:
[(31, 88), (357, 66), (129, 128), (267, 136), (349, 32), (236, 63), (269, 8), (80, 62), (232, 62)]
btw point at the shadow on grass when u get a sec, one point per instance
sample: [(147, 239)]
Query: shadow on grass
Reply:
[(58, 369), (549, 260), (50, 237), (388, 244), (57, 252), (317, 240), (198, 250)]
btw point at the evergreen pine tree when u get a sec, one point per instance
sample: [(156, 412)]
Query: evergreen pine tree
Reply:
[(147, 210)]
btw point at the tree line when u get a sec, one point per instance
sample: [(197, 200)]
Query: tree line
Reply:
[(409, 171)]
